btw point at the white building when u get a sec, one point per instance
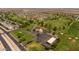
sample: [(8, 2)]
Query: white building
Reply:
[(52, 40), (39, 29)]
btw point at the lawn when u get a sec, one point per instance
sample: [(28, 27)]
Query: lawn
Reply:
[(35, 46), (71, 44), (74, 29), (22, 36)]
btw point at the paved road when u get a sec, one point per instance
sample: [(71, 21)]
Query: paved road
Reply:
[(11, 38), (17, 43), (6, 46)]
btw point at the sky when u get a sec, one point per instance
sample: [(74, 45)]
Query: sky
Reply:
[(39, 3)]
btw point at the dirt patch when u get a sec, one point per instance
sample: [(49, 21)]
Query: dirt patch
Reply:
[(72, 41)]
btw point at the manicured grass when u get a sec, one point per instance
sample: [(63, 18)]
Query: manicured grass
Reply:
[(74, 29), (22, 36), (34, 46), (67, 44)]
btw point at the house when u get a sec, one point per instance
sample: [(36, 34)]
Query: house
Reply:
[(38, 29)]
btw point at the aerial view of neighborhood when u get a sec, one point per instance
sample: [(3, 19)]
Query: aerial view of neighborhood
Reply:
[(39, 29)]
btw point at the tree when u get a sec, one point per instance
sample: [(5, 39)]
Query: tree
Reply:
[(42, 23), (55, 28), (49, 26), (63, 27)]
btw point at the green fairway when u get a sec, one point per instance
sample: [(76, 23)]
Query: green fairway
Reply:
[(72, 44), (74, 29)]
